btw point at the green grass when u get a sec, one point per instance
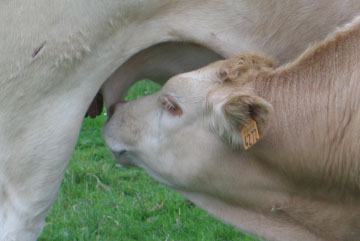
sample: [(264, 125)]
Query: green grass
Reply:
[(100, 200)]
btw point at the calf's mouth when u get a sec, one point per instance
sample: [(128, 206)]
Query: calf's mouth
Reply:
[(124, 158)]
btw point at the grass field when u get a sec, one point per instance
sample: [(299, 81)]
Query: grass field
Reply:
[(100, 200)]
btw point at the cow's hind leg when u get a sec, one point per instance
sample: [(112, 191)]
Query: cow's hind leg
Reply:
[(34, 152)]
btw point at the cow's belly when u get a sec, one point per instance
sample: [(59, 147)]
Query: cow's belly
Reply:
[(158, 63)]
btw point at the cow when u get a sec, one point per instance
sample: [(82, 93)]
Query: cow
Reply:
[(57, 55), (272, 151)]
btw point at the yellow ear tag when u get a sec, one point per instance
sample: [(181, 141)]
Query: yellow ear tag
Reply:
[(249, 134)]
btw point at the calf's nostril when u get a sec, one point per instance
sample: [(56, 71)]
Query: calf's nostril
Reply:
[(119, 154)]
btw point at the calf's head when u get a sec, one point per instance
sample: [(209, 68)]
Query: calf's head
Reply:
[(188, 135)]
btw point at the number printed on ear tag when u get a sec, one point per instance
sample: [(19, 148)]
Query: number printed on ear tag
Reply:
[(249, 134)]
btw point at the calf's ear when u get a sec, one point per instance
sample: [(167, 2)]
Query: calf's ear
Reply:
[(242, 119)]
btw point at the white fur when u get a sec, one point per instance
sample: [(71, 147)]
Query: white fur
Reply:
[(44, 95)]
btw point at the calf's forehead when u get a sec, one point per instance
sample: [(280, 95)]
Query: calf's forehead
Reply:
[(197, 82)]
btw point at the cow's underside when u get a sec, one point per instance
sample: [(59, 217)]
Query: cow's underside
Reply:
[(55, 57)]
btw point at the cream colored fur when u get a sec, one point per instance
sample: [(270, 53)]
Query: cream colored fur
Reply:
[(301, 181), (56, 55)]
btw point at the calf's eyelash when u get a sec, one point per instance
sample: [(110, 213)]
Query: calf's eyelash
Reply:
[(170, 105)]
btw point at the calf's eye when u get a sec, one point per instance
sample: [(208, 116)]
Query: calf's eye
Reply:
[(170, 105)]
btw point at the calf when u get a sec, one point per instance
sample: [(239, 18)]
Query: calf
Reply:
[(272, 151)]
